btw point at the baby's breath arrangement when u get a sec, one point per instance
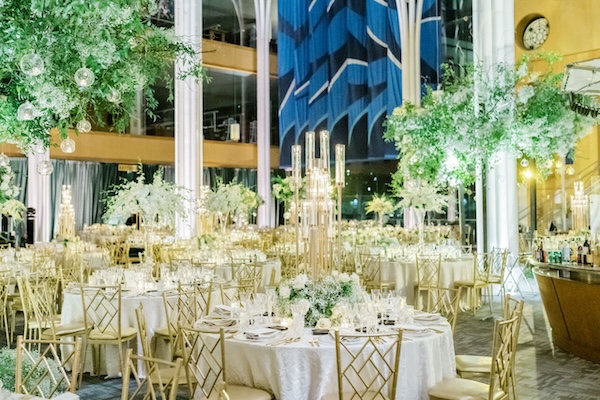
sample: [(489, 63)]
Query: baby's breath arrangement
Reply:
[(66, 63), (8, 368), (322, 296)]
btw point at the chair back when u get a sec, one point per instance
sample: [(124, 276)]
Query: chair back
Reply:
[(143, 331), (156, 384), (370, 268), (481, 267), (204, 359), (428, 271), (503, 354), (498, 259), (446, 302), (368, 369), (45, 373), (102, 309), (245, 272)]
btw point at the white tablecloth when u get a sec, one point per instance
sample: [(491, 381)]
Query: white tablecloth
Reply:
[(404, 274), (299, 371)]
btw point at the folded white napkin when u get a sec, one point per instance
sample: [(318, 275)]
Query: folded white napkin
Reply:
[(427, 317), (263, 333), (222, 311)]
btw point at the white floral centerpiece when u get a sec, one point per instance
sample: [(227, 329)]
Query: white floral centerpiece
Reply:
[(231, 199), (421, 196), (380, 205), (320, 296), (9, 206), (158, 199)]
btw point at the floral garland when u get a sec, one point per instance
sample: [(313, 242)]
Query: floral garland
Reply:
[(158, 199), (320, 297), (66, 63), (480, 114)]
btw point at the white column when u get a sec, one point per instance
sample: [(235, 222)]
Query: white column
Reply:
[(263, 120), (409, 21), (38, 196), (493, 43), (188, 111)]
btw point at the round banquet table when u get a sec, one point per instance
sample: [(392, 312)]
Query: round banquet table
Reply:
[(404, 274), (301, 371)]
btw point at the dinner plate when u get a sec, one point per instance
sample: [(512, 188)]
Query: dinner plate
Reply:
[(258, 335)]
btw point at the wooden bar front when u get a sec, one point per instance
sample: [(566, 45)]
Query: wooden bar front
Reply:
[(571, 297)]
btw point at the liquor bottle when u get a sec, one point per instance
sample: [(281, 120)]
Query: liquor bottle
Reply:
[(585, 251), (579, 254), (566, 252)]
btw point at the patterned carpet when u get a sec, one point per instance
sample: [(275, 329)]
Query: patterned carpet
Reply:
[(543, 371)]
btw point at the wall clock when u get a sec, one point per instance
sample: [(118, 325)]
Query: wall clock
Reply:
[(535, 33)]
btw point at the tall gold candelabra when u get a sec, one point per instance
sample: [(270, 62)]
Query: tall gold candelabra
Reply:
[(66, 215), (315, 215), (580, 208)]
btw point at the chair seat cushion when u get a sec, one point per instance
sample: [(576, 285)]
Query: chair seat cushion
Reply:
[(236, 392), (463, 389), (477, 283), (66, 329), (494, 279), (474, 364), (109, 334), (352, 395), (164, 331), (166, 374)]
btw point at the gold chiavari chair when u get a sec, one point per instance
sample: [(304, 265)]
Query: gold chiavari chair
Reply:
[(5, 277), (145, 340), (191, 304), (47, 321), (478, 281), (103, 311), (368, 370), (288, 264), (446, 302), (204, 359), (31, 292), (503, 350), (154, 385), (370, 272), (47, 374), (428, 276), (469, 366), (497, 262)]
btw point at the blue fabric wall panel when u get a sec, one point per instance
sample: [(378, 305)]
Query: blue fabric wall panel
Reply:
[(342, 58)]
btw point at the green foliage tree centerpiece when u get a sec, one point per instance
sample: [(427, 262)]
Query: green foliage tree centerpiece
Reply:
[(68, 62)]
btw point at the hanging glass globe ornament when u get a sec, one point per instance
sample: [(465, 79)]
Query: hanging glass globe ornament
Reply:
[(84, 126), (67, 145), (32, 64), (4, 160), (524, 163), (114, 96), (26, 112), (84, 77), (45, 168), (570, 170)]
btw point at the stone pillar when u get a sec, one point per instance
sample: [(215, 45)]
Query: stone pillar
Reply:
[(38, 196), (493, 43), (263, 36), (188, 112)]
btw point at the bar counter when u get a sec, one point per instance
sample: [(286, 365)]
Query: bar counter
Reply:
[(571, 297)]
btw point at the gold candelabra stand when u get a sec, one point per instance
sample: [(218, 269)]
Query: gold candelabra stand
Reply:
[(66, 215), (580, 207), (315, 216)]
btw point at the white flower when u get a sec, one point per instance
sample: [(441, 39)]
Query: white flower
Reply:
[(343, 278), (323, 323), (335, 273), (284, 292), (299, 282), (525, 93), (338, 309), (355, 278)]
